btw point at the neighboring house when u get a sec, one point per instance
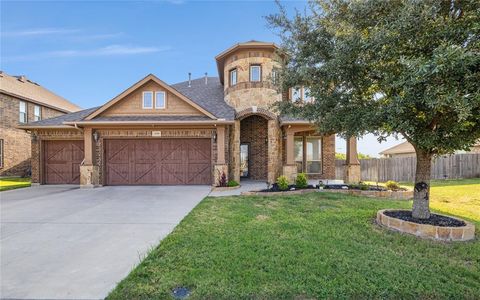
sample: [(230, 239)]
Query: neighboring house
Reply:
[(186, 133), (406, 149), (23, 101)]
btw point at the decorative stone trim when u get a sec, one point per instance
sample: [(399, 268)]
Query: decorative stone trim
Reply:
[(396, 195), (464, 233), (250, 85), (296, 192), (255, 111)]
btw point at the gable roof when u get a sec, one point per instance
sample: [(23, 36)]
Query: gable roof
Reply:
[(23, 88), (404, 147), (149, 77), (209, 95)]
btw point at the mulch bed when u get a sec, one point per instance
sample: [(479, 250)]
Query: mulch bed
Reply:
[(436, 220), (275, 188)]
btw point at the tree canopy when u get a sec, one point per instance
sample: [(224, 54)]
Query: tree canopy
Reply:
[(392, 67)]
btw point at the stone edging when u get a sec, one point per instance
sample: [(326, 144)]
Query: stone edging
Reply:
[(438, 233), (295, 192), (397, 195), (224, 188)]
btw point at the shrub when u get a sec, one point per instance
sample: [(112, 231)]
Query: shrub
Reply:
[(282, 183), (301, 182), (232, 183), (222, 181), (392, 185)]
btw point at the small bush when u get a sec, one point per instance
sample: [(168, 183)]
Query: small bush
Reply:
[(232, 183), (392, 185), (282, 183), (301, 182)]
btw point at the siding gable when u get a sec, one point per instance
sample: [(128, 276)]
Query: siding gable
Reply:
[(131, 104)]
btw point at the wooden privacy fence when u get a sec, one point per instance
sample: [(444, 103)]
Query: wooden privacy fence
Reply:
[(403, 168)]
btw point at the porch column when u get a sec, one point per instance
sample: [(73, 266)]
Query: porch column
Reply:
[(89, 173), (273, 150), (290, 168), (220, 145), (235, 156), (352, 164), (220, 167)]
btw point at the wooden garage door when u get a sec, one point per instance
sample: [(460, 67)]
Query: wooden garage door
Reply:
[(62, 161), (158, 161)]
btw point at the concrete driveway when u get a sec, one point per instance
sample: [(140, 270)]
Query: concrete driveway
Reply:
[(62, 242)]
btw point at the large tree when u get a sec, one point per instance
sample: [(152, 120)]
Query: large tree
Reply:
[(391, 67)]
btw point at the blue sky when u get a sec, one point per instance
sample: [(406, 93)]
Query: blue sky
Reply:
[(90, 51)]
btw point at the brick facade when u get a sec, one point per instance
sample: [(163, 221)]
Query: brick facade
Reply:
[(254, 132), (16, 142)]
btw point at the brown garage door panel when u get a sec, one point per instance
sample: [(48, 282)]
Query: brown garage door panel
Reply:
[(158, 161), (62, 161)]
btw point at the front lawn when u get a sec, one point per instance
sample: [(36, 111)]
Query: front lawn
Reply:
[(10, 183), (317, 245)]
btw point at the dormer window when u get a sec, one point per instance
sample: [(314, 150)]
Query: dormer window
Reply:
[(233, 77), (160, 100), (255, 73), (147, 100)]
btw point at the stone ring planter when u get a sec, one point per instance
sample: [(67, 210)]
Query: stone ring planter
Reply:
[(439, 233)]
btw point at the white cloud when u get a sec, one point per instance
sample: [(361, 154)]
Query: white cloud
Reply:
[(112, 50), (39, 32), (95, 37)]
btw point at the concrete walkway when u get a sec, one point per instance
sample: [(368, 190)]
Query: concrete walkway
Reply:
[(61, 242)]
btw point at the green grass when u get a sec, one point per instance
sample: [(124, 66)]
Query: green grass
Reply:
[(10, 183), (310, 246)]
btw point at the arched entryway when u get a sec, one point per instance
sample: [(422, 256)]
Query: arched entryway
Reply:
[(254, 147)]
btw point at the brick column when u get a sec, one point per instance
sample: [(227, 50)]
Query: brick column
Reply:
[(290, 168), (273, 150), (89, 173), (352, 164), (235, 154), (220, 165)]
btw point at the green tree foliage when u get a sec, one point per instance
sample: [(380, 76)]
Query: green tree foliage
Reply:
[(393, 67)]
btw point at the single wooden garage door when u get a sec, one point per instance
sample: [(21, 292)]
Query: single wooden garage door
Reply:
[(158, 161), (62, 161)]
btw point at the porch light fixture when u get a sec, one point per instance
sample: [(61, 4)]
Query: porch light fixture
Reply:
[(96, 136), (34, 137), (214, 136)]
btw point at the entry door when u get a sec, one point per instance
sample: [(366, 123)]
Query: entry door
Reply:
[(244, 155)]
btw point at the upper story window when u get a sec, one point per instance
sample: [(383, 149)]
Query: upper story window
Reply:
[(296, 94), (274, 76), (37, 113), (160, 99), (255, 73), (307, 97), (302, 94), (233, 77), (147, 100), (22, 118)]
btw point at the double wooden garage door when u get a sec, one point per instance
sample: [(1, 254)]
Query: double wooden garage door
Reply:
[(158, 161), (130, 162)]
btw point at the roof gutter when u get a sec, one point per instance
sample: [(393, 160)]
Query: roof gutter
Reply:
[(209, 122)]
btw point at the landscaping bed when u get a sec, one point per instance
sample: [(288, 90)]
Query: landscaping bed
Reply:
[(437, 227), (309, 246)]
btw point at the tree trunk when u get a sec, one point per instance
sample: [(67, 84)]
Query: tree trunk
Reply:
[(421, 193)]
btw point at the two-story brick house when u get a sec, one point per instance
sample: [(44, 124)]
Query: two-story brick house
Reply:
[(23, 101), (186, 133)]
